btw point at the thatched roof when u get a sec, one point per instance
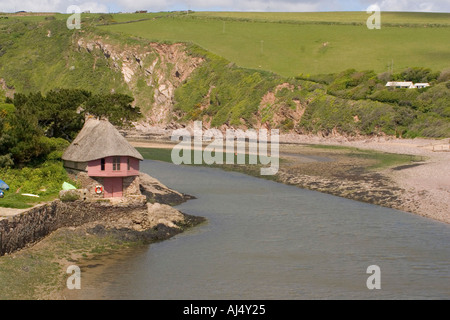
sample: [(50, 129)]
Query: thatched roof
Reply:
[(99, 139)]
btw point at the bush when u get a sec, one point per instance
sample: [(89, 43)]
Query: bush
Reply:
[(416, 74), (69, 195), (42, 180), (234, 93), (444, 76)]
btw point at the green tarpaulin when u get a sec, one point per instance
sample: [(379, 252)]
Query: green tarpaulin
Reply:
[(68, 186)]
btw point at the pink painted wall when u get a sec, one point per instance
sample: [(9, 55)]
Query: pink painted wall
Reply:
[(113, 187), (94, 168)]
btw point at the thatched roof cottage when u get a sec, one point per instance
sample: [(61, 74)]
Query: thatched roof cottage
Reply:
[(107, 157)]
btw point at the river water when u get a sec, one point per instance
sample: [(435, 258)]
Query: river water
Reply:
[(265, 240)]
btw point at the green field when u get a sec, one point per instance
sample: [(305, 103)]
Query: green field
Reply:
[(357, 17), (314, 46)]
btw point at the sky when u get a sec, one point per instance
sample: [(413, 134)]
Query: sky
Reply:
[(223, 5)]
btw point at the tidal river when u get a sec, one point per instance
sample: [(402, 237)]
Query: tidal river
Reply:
[(265, 240)]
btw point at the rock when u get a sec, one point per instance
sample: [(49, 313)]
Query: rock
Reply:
[(163, 214), (155, 191)]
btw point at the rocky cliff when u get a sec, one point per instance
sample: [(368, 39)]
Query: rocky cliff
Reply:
[(152, 72)]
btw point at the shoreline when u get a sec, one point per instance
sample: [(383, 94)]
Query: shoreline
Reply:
[(38, 271), (420, 186)]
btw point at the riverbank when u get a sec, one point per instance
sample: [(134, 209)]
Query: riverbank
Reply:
[(39, 271), (420, 185), (407, 174), (56, 235)]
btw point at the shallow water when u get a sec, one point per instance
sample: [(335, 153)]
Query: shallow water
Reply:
[(265, 240)]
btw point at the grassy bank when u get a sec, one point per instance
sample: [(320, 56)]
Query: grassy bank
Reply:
[(380, 160), (164, 154), (39, 272), (44, 180)]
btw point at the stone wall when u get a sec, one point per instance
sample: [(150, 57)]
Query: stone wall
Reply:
[(130, 184), (33, 225)]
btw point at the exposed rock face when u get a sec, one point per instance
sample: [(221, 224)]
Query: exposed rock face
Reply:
[(161, 67), (155, 191), (154, 71), (9, 90), (278, 113), (163, 214)]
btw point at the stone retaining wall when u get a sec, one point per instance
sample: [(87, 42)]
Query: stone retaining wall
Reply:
[(28, 227)]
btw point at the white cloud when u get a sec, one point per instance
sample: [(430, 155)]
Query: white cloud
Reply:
[(225, 5), (51, 5), (93, 7), (411, 5)]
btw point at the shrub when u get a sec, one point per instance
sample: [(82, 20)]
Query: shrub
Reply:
[(69, 195)]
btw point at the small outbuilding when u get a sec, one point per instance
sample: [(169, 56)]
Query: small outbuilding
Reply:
[(421, 85), (106, 157), (406, 85), (400, 84)]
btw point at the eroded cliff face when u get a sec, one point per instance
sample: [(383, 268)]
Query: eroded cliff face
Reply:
[(152, 72), (273, 113)]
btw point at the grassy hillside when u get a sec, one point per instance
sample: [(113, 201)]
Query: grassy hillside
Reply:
[(358, 17), (293, 43), (43, 55)]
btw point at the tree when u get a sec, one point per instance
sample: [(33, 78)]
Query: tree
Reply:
[(116, 107), (5, 144)]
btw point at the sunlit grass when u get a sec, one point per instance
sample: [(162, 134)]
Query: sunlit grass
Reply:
[(290, 49)]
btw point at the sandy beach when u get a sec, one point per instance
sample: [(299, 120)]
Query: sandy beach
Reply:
[(421, 188), (425, 188)]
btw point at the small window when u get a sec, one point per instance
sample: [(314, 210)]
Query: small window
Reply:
[(102, 164), (116, 163), (128, 164)]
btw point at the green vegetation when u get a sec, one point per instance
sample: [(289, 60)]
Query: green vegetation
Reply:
[(159, 154), (37, 128), (164, 154), (70, 196), (311, 45), (40, 273), (43, 56), (320, 96), (348, 101), (419, 19), (381, 160), (222, 92), (34, 132), (44, 180), (351, 102), (354, 101)]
